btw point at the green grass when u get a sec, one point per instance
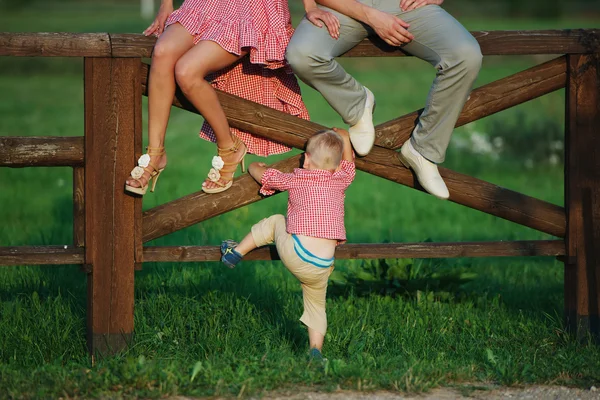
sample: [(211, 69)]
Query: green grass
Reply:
[(202, 329)]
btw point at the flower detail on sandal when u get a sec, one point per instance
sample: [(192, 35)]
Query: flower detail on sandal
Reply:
[(145, 165), (137, 172), (144, 161), (218, 163), (214, 175)]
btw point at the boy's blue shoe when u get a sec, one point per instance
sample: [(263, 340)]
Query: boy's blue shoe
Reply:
[(316, 356), (230, 257), (228, 243)]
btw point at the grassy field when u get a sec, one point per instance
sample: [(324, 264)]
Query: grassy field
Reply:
[(202, 329)]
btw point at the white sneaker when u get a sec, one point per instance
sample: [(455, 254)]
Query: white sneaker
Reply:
[(362, 134), (426, 171)]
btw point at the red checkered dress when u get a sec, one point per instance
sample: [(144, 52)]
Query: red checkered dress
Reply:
[(316, 199), (262, 27)]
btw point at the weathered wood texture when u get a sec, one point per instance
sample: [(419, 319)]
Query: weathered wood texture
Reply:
[(79, 206), (382, 162), (582, 196), (364, 251), (136, 45), (111, 87), (40, 255), (132, 45), (44, 44), (486, 100), (45, 151), (138, 151)]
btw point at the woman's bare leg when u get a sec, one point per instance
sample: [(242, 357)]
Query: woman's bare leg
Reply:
[(191, 69), (171, 45)]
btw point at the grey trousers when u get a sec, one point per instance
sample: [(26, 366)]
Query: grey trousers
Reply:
[(439, 39)]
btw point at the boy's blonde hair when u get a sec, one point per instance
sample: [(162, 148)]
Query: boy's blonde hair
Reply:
[(325, 149)]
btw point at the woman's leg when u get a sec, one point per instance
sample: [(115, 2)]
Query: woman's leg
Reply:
[(171, 45), (191, 69)]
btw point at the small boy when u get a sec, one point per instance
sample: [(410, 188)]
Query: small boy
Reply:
[(306, 242)]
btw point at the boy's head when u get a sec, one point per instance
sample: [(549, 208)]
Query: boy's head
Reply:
[(324, 150)]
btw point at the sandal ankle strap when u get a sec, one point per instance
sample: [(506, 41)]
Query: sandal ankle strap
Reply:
[(235, 147), (155, 151)]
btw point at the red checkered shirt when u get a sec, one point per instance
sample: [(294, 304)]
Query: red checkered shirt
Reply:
[(316, 199)]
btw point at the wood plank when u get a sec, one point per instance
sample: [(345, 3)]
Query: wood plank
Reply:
[(486, 100), (474, 193), (371, 251), (132, 45), (491, 43), (79, 206), (582, 196), (264, 121), (136, 45), (50, 44), (196, 207), (41, 255), (41, 151), (505, 43), (138, 151), (110, 88)]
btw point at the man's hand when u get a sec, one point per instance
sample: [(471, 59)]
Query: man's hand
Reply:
[(319, 17), (389, 27), (407, 5), (158, 26)]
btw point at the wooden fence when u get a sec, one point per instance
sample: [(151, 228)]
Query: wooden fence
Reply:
[(110, 229)]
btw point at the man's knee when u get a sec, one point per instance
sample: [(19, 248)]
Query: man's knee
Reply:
[(301, 57), (472, 56), (468, 56)]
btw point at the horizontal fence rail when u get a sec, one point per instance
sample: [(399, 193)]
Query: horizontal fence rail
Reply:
[(46, 151), (36, 44), (53, 255)]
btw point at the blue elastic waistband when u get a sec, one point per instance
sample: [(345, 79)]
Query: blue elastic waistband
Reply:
[(310, 258)]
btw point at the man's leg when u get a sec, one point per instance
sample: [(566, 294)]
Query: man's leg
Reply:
[(443, 42), (311, 53)]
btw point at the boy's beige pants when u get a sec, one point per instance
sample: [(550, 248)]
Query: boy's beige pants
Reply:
[(312, 278)]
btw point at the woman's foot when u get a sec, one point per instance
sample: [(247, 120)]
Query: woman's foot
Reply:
[(230, 157), (149, 166)]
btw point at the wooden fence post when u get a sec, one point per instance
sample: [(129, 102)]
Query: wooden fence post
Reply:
[(112, 109), (582, 195)]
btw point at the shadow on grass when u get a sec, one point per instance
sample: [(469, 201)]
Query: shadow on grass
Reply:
[(441, 280)]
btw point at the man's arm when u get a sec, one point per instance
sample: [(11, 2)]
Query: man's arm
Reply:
[(387, 26), (348, 154), (256, 170)]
